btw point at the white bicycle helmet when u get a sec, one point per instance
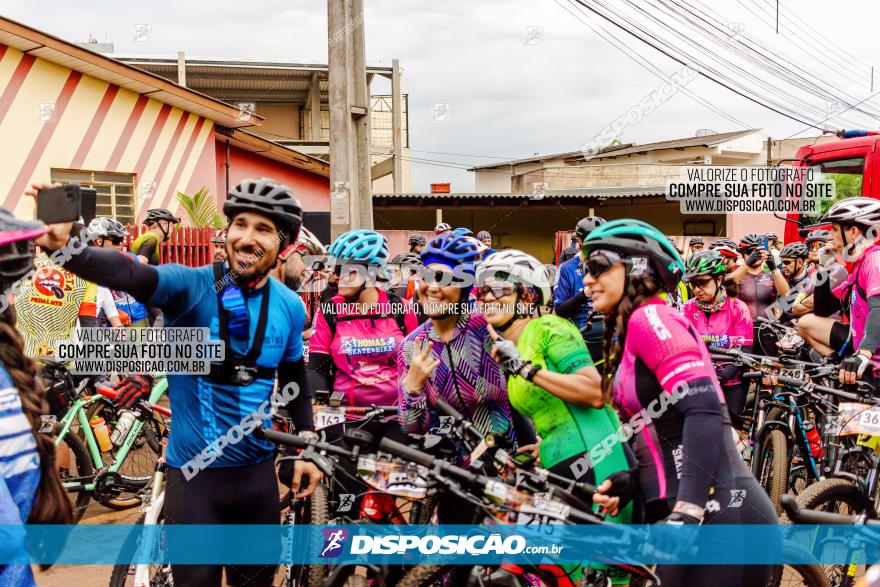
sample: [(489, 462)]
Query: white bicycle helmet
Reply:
[(522, 267), (864, 211)]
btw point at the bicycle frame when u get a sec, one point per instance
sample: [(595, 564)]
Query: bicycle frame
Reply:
[(78, 412)]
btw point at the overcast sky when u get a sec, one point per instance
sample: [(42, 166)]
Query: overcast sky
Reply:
[(509, 94)]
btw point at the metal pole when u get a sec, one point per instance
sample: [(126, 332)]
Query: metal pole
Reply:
[(181, 68), (397, 126), (777, 17)]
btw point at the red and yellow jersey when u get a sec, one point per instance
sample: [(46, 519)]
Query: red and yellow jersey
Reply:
[(48, 307)]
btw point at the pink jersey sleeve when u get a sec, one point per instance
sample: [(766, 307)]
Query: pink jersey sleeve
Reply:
[(741, 324), (869, 274), (659, 336), (320, 341)]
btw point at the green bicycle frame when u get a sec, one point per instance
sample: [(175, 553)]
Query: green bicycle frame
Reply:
[(78, 411)]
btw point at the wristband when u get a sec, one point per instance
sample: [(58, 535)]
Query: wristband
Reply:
[(413, 392), (532, 371), (689, 509)]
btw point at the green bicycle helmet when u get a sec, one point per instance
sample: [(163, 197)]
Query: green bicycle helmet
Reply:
[(704, 263), (634, 238)]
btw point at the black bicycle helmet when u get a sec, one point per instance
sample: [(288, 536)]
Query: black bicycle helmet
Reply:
[(157, 214), (587, 225), (750, 241), (819, 235), (794, 251), (406, 259), (269, 198), (416, 240), (696, 240), (634, 238), (16, 247)]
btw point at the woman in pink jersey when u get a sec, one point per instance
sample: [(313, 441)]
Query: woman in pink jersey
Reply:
[(662, 381), (722, 321), (357, 333)]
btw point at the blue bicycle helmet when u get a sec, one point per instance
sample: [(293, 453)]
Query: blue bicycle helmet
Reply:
[(463, 231), (365, 247), (453, 250)]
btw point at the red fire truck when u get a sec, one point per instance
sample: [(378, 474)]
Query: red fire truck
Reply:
[(853, 163)]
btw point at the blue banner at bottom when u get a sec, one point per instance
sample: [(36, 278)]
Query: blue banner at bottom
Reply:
[(377, 544)]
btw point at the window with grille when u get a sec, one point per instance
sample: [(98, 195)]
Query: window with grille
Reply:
[(115, 191)]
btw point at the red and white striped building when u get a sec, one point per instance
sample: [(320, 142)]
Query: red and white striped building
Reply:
[(69, 114)]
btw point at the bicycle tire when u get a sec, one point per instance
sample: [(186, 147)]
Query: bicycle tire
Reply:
[(829, 492), (84, 468), (809, 575), (317, 510), (154, 445), (775, 464), (121, 572), (423, 575)]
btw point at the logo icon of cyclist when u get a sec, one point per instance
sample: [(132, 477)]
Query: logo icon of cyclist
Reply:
[(333, 541), (346, 501), (737, 497)]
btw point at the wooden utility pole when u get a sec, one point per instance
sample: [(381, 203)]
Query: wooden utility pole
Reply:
[(351, 198)]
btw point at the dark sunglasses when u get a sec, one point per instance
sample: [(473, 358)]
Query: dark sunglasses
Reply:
[(498, 290), (598, 264), (788, 261), (701, 282)]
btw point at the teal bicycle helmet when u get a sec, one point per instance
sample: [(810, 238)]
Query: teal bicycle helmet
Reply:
[(634, 238), (363, 247)]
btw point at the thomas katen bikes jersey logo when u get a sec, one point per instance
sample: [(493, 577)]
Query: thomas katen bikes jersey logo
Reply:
[(367, 346), (334, 542)]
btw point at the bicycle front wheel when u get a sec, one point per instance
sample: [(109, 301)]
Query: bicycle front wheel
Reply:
[(124, 574), (73, 462)]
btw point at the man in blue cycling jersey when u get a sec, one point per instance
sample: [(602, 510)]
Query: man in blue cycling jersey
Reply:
[(260, 323)]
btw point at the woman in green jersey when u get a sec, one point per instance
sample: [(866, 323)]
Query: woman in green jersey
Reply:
[(552, 379)]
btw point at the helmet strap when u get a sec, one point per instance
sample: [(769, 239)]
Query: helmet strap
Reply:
[(516, 314)]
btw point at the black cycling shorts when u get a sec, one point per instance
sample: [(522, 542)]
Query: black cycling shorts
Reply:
[(840, 339), (226, 495)]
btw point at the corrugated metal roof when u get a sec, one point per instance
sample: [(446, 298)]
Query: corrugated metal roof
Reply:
[(598, 193), (627, 149), (243, 79)]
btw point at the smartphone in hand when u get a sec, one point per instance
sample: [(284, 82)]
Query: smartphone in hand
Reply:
[(765, 243), (59, 204)]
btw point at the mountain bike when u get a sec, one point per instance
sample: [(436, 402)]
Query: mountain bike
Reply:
[(113, 477)]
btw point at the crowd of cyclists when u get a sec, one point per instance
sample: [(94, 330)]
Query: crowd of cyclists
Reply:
[(551, 362)]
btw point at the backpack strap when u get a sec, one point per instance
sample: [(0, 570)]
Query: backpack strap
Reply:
[(394, 301)]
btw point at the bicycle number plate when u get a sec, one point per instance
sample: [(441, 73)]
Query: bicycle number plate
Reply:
[(325, 416), (858, 418), (400, 479), (794, 373)]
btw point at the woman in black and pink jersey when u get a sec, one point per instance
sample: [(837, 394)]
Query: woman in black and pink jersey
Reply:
[(661, 379)]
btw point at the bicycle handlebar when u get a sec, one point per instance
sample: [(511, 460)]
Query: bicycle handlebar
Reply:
[(111, 394), (804, 516), (800, 383), (447, 410)]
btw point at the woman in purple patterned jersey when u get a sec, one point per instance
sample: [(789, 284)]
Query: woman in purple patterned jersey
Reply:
[(448, 356)]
